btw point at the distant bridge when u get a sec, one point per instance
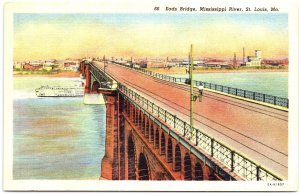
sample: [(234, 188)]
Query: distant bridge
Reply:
[(238, 135)]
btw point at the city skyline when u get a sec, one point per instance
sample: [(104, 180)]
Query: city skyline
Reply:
[(41, 36)]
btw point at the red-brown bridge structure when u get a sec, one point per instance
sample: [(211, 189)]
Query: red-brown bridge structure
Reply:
[(148, 136)]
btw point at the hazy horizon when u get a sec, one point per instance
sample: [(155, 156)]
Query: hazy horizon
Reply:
[(60, 36)]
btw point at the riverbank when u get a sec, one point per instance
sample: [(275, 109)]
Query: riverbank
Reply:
[(59, 74), (182, 70)]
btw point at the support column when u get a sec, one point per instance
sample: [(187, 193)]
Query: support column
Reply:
[(121, 138), (82, 68), (147, 130), (87, 79), (131, 112), (108, 159)]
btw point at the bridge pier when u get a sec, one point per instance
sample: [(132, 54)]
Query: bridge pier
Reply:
[(87, 79), (82, 68), (108, 165), (121, 138)]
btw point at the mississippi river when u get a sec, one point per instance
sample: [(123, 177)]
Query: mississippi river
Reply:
[(273, 83), (55, 138)]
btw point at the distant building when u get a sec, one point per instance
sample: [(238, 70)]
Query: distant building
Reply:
[(18, 66), (71, 68), (33, 65), (275, 62), (171, 64), (217, 64), (48, 68), (213, 64), (156, 64), (36, 63), (199, 63), (234, 62), (184, 63), (28, 66), (254, 61), (72, 65), (48, 65)]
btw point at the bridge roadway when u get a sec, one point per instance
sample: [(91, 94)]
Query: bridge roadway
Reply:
[(258, 132)]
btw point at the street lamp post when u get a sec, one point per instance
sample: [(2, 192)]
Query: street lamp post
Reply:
[(191, 92)]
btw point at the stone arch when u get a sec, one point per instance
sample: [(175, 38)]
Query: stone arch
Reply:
[(198, 172), (187, 167), (177, 159), (143, 168), (95, 87), (156, 146), (131, 159), (169, 150), (162, 144)]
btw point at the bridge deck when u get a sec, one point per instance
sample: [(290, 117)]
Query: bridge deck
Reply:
[(256, 131)]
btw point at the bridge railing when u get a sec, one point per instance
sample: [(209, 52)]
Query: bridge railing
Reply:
[(235, 161), (279, 101), (247, 94)]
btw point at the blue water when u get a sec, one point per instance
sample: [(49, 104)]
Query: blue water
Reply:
[(55, 138), (273, 83)]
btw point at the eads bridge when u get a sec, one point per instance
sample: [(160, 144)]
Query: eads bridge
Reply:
[(238, 134)]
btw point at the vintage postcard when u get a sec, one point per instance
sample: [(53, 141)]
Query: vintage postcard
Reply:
[(151, 96)]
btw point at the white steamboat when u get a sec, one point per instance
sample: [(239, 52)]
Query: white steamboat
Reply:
[(60, 91)]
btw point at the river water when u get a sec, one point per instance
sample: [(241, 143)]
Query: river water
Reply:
[(61, 138), (273, 83), (55, 138)]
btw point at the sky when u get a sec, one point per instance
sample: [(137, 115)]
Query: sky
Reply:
[(60, 36)]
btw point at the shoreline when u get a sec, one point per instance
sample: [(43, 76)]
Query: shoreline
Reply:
[(61, 74), (182, 70), (166, 71)]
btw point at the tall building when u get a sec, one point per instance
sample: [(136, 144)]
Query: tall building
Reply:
[(258, 54), (234, 60), (254, 61)]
